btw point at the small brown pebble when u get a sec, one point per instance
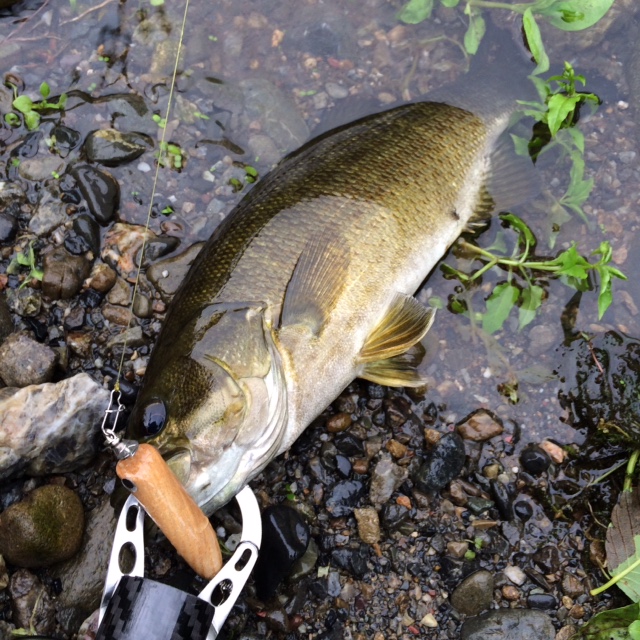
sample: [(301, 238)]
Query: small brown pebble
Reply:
[(572, 586), (492, 471), (479, 426), (404, 501), (483, 525), (556, 452), (368, 524), (360, 465), (432, 436), (457, 549), (338, 422), (396, 449), (511, 593), (566, 633), (116, 314), (103, 277), (577, 612)]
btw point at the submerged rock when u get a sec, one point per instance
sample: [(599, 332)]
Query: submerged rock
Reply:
[(112, 148), (509, 624), (101, 191), (474, 594), (167, 275), (50, 428), (63, 274), (43, 529), (24, 362)]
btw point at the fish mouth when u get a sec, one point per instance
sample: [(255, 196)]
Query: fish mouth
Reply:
[(180, 463)]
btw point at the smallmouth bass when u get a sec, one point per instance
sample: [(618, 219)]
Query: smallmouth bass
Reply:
[(308, 283)]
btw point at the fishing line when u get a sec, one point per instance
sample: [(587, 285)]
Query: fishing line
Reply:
[(161, 155)]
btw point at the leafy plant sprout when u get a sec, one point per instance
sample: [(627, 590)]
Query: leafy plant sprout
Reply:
[(30, 110)]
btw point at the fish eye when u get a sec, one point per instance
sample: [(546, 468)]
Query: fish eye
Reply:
[(154, 418)]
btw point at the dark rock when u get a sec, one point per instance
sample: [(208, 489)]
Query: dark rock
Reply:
[(523, 510), (87, 228), (63, 274), (130, 113), (509, 624), (8, 227), (101, 191), (352, 560), (285, 538), (43, 529), (158, 247), (542, 601), (534, 460), (444, 463), (348, 444), (343, 466), (547, 558), (502, 498), (112, 148), (474, 594), (75, 318), (49, 215), (66, 139), (317, 470), (393, 516), (343, 497), (31, 603), (6, 321), (167, 275), (75, 244), (24, 362)]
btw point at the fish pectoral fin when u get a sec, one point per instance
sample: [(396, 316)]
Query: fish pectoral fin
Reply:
[(316, 284), (511, 180), (405, 324), (398, 371)]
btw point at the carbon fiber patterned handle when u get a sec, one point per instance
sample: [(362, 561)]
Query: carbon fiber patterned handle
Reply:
[(142, 609)]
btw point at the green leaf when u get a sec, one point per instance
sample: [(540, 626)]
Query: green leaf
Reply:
[(575, 15), (610, 625), (634, 630), (156, 3), (560, 106), (416, 11), (572, 264), (45, 90), (519, 225), (449, 3), (521, 145), (530, 301), (534, 38), (499, 305), (475, 33), (23, 104), (32, 120)]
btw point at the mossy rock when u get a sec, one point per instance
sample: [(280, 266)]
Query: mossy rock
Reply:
[(43, 529)]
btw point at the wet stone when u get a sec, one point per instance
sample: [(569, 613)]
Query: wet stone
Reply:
[(515, 575), (509, 624), (6, 322), (474, 594), (167, 275), (353, 560), (386, 477), (23, 361), (103, 277), (285, 538), (317, 470), (112, 148), (8, 227), (543, 601), (86, 228), (100, 190), (40, 168), (74, 319), (348, 444), (63, 274), (522, 510), (48, 216), (338, 422), (502, 498), (24, 302), (120, 293), (43, 529), (343, 466), (142, 306), (479, 426), (394, 516), (368, 524), (305, 565), (343, 497), (31, 603), (534, 460), (444, 463), (542, 338), (547, 558), (572, 586)]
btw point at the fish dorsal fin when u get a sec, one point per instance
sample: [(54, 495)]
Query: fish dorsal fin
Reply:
[(399, 371), (316, 284), (405, 323)]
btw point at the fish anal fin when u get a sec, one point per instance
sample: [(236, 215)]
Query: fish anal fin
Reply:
[(398, 371), (405, 324)]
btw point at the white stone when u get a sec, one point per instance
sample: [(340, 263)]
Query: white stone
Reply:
[(50, 428), (515, 575)]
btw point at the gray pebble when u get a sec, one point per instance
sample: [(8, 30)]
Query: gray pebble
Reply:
[(24, 362), (336, 91), (48, 216), (474, 594), (39, 169)]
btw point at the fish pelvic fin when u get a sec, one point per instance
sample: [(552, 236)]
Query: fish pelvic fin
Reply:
[(316, 284), (404, 325), (398, 371)]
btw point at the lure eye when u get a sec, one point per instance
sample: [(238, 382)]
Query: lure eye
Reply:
[(154, 418)]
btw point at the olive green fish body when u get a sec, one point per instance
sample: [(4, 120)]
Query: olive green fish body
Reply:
[(306, 285)]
